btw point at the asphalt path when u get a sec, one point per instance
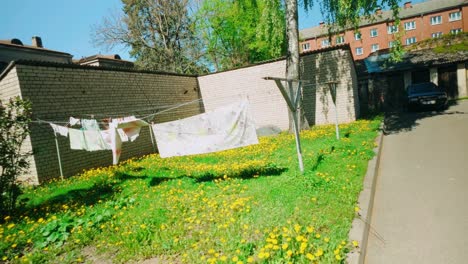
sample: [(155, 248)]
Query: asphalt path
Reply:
[(420, 212)]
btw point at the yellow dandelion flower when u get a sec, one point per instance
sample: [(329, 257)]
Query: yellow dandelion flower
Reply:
[(327, 239), (223, 258), (13, 246), (310, 229), (235, 259), (355, 243), (250, 260), (289, 253), (317, 236), (357, 209), (338, 257), (284, 246), (310, 256), (10, 226)]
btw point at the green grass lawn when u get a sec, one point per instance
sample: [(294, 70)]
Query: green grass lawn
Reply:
[(248, 205)]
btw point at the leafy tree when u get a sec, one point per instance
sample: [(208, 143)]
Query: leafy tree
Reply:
[(238, 33), (159, 33), (339, 14), (14, 120)]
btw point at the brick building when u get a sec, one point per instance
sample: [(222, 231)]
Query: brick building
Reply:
[(430, 19)]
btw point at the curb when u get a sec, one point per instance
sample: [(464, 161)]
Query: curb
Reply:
[(360, 226)]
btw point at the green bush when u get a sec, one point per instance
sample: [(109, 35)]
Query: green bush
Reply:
[(15, 117)]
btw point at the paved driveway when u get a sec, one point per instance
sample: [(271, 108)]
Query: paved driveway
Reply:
[(420, 212)]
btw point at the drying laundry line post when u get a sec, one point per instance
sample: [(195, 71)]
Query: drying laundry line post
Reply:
[(293, 101), (152, 137), (58, 155), (332, 86)]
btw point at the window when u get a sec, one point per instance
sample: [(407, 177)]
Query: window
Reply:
[(340, 40), (455, 16), (373, 32), (357, 36), (392, 29), (456, 30), (435, 20), (410, 25), (410, 41), (306, 46), (391, 44), (436, 35), (325, 42), (375, 47), (359, 51)]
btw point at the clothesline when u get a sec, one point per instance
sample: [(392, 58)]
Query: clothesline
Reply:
[(168, 108), (143, 117)]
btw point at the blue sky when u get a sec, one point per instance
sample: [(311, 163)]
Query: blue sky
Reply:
[(66, 25)]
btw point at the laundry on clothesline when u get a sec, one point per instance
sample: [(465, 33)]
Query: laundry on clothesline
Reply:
[(60, 130), (89, 124), (91, 138), (122, 130), (224, 128), (129, 127), (74, 121)]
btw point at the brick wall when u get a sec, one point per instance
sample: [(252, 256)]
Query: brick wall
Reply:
[(333, 65), (267, 104), (58, 92)]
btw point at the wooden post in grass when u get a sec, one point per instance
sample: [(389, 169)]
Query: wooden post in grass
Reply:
[(293, 101), (332, 86)]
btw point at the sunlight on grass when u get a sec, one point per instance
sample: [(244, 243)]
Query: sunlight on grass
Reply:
[(247, 205)]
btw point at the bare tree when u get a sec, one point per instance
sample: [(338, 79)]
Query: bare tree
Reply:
[(159, 33)]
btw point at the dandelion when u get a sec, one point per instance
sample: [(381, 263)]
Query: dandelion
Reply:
[(235, 259), (10, 226), (285, 246), (250, 260), (338, 257), (327, 239), (310, 256), (355, 243)]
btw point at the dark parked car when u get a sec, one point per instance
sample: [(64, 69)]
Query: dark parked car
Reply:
[(426, 95)]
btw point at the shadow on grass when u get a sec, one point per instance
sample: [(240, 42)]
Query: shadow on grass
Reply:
[(106, 190), (244, 174)]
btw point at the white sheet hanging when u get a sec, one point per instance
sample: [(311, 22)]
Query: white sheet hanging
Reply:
[(224, 128)]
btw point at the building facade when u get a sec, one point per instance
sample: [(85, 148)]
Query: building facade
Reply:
[(430, 19)]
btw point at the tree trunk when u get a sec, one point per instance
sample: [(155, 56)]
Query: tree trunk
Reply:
[(292, 60)]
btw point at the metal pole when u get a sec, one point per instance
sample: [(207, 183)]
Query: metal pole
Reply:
[(151, 135), (58, 155), (336, 117), (298, 142)]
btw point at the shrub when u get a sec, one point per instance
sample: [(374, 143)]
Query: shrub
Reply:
[(15, 117)]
